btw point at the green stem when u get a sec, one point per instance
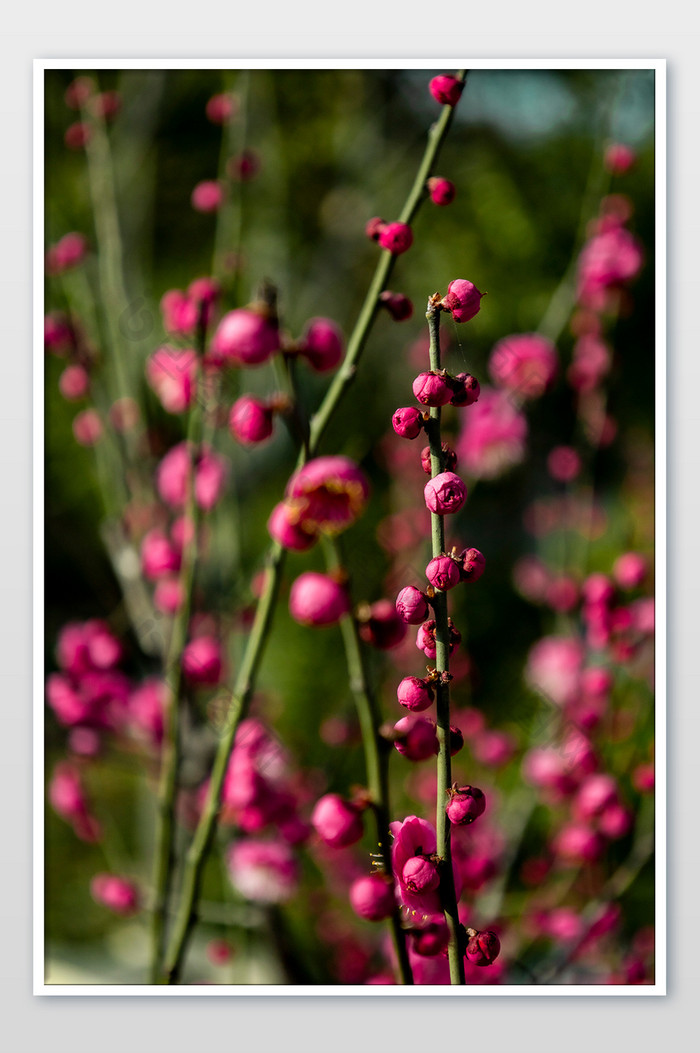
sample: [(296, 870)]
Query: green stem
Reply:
[(245, 682), (171, 748), (442, 687), (377, 752)]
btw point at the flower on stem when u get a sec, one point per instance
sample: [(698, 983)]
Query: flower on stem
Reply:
[(209, 477), (466, 804), (445, 493), (407, 422), (322, 344), (446, 90), (412, 605), (442, 191), (284, 528), (482, 947), (415, 738), (415, 693), (327, 494), (67, 253), (443, 572), (396, 238), (202, 661), (524, 364), (171, 373), (425, 638), (462, 300), (433, 388), (465, 390), (472, 564), (448, 454)]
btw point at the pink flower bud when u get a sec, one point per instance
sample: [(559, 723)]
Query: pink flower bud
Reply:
[(484, 948), (79, 92), (448, 454), (58, 335), (383, 628), (336, 821), (432, 389), (643, 778), (415, 694), (629, 570), (202, 661), (399, 306), (322, 344), (416, 739), (207, 196), (431, 940), (524, 363), (619, 158), (407, 422), (463, 299), (115, 893), (74, 383), (77, 135), (420, 875), (283, 527), (446, 90), (374, 227), (171, 373), (250, 420), (412, 605), (473, 564), (445, 494), (316, 599), (443, 573), (396, 238), (372, 897), (465, 390), (442, 191), (158, 555), (87, 427), (465, 805), (244, 337), (425, 638), (221, 108), (563, 464), (179, 313)]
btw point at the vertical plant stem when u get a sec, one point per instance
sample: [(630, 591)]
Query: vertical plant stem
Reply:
[(170, 752), (245, 682), (442, 687), (377, 752)]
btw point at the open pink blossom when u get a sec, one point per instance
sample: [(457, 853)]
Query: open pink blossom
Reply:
[(263, 871), (524, 363), (554, 666), (414, 837), (327, 494), (493, 435)]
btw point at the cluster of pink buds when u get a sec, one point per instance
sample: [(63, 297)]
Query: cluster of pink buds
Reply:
[(395, 237)]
